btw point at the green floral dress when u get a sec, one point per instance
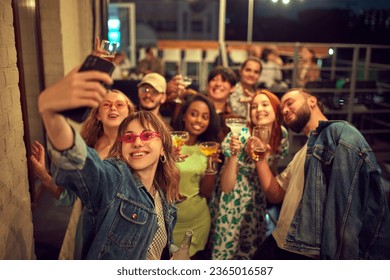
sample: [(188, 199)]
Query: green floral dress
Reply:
[(238, 217)]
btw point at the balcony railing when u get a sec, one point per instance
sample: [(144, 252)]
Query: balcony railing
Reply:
[(354, 83)]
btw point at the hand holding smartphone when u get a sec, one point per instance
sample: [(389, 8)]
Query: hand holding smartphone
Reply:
[(92, 62)]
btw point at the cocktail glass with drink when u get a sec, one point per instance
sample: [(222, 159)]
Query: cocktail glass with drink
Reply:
[(179, 138), (208, 149), (262, 135), (235, 124)]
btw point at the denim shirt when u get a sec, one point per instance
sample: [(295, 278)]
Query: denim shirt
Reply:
[(119, 217), (343, 213)]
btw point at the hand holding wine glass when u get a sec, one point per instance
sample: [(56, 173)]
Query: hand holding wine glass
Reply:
[(261, 136), (179, 138), (174, 86), (209, 148), (187, 81)]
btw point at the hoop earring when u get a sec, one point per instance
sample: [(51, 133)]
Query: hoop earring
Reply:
[(163, 158)]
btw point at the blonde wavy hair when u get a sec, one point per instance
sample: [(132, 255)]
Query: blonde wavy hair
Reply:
[(92, 128)]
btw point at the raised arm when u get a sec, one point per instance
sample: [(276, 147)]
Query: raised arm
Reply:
[(230, 169), (76, 89), (39, 165), (207, 184), (268, 182)]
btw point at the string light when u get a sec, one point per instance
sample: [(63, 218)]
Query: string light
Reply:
[(285, 2)]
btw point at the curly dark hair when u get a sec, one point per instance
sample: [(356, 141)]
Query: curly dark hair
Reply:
[(226, 73), (211, 133)]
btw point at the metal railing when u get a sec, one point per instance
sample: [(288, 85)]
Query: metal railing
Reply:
[(359, 81)]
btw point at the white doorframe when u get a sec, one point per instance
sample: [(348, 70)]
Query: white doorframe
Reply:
[(132, 30)]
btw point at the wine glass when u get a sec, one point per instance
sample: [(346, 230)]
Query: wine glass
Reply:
[(125, 73), (208, 149), (262, 135), (186, 81), (109, 48), (235, 124), (179, 138)]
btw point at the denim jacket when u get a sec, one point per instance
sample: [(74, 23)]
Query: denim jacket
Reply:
[(119, 217), (343, 213)]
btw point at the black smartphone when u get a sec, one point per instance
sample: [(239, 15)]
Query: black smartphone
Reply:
[(92, 62)]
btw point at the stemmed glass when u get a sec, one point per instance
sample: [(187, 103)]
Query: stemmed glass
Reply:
[(179, 138), (235, 124), (208, 149), (109, 49), (262, 135), (186, 81)]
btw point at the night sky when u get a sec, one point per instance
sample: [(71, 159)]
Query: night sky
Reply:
[(322, 21)]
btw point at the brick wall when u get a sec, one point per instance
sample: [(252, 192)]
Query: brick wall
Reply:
[(16, 229), (67, 36)]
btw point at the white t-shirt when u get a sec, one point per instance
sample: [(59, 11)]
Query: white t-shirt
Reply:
[(292, 181)]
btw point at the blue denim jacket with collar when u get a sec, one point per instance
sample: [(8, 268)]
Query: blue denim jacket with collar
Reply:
[(343, 213), (119, 217)]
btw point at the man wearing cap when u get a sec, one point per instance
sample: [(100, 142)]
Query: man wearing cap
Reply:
[(152, 93)]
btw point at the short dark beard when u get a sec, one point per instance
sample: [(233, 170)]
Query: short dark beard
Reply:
[(148, 109), (302, 118)]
